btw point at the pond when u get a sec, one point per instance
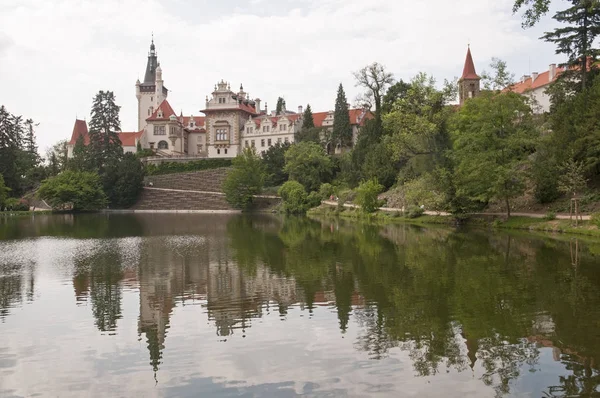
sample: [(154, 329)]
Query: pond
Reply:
[(187, 305)]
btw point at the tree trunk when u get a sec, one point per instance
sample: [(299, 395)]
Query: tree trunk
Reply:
[(507, 207)]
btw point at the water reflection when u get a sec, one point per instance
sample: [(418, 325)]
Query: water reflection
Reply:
[(469, 302)]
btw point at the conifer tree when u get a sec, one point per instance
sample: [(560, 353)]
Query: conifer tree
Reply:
[(80, 156), (105, 145), (11, 132), (280, 108), (342, 129), (576, 40), (307, 119)]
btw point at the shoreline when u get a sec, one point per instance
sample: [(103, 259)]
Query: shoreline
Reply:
[(492, 221)]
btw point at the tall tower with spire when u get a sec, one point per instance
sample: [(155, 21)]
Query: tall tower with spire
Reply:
[(469, 82), (151, 92)]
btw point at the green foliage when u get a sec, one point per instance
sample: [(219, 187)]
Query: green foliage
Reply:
[(280, 108), (595, 219), (245, 179), (544, 175), (366, 195), (425, 190), (80, 160), (413, 211), (274, 161), (105, 145), (576, 40), (493, 134), (499, 78), (344, 196), (378, 164), (144, 153), (56, 158), (307, 163), (295, 199), (75, 190), (307, 119), (342, 129), (14, 204), (572, 180), (312, 134), (326, 190), (176, 167), (123, 181), (313, 199), (4, 190), (550, 216), (536, 9), (397, 91)]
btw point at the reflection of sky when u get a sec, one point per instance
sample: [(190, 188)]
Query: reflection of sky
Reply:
[(52, 344)]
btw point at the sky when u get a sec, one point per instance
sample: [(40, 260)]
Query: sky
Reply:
[(55, 55)]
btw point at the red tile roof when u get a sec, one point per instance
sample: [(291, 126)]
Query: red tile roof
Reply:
[(166, 109), (80, 129), (128, 139), (542, 79), (469, 68), (242, 106), (356, 117)]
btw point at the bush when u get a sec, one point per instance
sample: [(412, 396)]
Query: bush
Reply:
[(344, 195), (74, 190), (14, 204), (175, 167), (123, 181), (294, 197), (244, 180), (326, 190), (550, 216), (307, 163), (313, 199), (595, 219), (144, 153), (4, 190), (413, 211), (366, 195)]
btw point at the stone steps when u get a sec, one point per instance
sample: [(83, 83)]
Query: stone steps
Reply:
[(202, 180), (157, 199)]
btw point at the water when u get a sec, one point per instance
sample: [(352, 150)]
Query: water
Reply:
[(233, 306)]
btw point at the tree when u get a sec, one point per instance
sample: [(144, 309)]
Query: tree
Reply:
[(57, 158), (245, 179), (492, 136), (4, 190), (307, 163), (307, 119), (123, 181), (81, 156), (366, 195), (537, 9), (11, 132), (280, 108), (274, 161), (294, 197), (397, 91), (499, 78), (104, 124), (375, 79), (342, 129), (378, 164), (577, 39), (572, 182), (75, 190)]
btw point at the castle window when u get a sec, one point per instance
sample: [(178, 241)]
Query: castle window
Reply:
[(262, 143), (159, 130), (286, 140), (252, 143), (269, 142), (163, 145), (221, 134), (218, 151), (225, 151), (151, 99), (246, 143), (279, 140)]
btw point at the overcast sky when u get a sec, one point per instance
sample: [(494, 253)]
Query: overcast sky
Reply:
[(56, 54)]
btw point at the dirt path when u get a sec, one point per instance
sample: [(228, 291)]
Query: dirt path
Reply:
[(442, 213)]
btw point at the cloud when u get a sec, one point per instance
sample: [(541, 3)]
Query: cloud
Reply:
[(60, 53)]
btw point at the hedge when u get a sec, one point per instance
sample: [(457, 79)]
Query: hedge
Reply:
[(176, 167)]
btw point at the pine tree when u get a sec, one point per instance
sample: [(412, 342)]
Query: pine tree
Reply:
[(80, 161), (307, 119), (105, 145), (342, 129), (576, 40), (280, 106), (11, 132)]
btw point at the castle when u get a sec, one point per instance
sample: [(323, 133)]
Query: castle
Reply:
[(231, 121)]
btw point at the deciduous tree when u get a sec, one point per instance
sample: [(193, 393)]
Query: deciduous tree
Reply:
[(75, 190), (245, 179), (307, 163)]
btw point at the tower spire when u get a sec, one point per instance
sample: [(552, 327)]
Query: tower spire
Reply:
[(469, 68), (468, 84)]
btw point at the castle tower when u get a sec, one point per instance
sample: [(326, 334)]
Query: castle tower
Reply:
[(148, 92), (468, 84)]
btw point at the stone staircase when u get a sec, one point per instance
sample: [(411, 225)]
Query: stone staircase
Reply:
[(159, 199), (202, 180)]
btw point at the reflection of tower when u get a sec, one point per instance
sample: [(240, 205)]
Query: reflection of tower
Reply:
[(472, 347)]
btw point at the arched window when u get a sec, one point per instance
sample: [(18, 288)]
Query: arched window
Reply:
[(163, 145)]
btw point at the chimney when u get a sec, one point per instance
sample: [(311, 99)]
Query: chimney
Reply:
[(551, 72), (257, 107), (300, 110), (534, 75), (266, 109), (273, 113), (524, 78)]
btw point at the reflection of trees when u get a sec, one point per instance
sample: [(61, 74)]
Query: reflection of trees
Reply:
[(16, 286), (449, 299)]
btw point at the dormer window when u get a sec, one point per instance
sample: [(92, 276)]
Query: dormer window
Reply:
[(159, 114), (191, 124)]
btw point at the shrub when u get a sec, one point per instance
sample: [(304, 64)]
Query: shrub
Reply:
[(294, 197), (413, 211), (175, 167), (550, 216), (313, 199), (245, 179), (366, 195), (307, 163), (14, 204), (326, 190), (595, 219), (123, 181), (75, 190), (4, 190), (344, 195)]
